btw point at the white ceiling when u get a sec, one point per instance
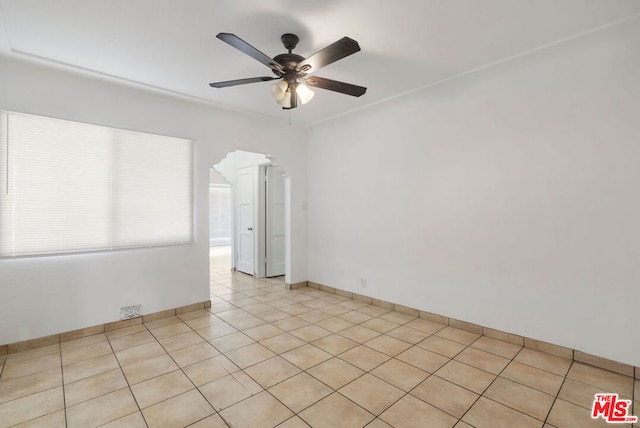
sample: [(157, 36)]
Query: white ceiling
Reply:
[(406, 44)]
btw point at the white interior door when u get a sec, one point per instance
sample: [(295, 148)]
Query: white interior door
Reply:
[(245, 188), (275, 258)]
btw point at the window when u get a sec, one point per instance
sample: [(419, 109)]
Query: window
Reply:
[(71, 187), (219, 214)]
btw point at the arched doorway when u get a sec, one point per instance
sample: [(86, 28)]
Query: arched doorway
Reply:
[(257, 213)]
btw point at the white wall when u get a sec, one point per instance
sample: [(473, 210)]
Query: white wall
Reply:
[(47, 295), (506, 198)]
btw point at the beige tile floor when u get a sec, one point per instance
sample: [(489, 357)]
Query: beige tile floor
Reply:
[(263, 356)]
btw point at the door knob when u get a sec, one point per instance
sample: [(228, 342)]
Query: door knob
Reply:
[(249, 228)]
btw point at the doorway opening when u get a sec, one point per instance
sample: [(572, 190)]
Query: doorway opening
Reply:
[(220, 223), (248, 228)]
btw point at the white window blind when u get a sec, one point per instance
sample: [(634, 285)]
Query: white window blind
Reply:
[(219, 214), (72, 187)]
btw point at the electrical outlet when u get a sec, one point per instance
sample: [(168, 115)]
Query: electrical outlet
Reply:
[(131, 311), (363, 282)]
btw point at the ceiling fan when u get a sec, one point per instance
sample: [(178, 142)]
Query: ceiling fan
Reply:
[(293, 70)]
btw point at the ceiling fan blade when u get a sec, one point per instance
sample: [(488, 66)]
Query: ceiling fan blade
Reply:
[(334, 85), (332, 53), (241, 81), (254, 53)]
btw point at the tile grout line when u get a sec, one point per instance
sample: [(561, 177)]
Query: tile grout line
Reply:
[(452, 359), (228, 374), (265, 389), (183, 372), (64, 395), (37, 392), (179, 368), (633, 401), (239, 369), (511, 361), (492, 382), (414, 345), (364, 344), (126, 380), (311, 343), (498, 375), (555, 399), (376, 416), (333, 390), (405, 393), (369, 372), (332, 356)]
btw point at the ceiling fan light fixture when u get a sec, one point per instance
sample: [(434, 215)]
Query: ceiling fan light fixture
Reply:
[(304, 93), (285, 101), (279, 89)]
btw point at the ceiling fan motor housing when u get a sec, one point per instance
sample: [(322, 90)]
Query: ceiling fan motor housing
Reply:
[(289, 61)]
